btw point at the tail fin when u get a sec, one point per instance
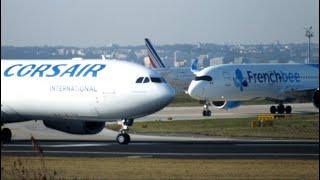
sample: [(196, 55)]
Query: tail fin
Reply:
[(194, 66), (156, 62)]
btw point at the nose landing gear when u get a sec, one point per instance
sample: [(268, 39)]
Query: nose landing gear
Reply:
[(280, 109), (206, 111), (123, 137)]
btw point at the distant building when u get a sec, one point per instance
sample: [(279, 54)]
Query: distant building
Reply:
[(181, 63), (141, 53), (204, 61), (238, 60), (121, 56), (291, 62), (216, 61), (180, 59), (80, 52), (274, 61), (60, 52)]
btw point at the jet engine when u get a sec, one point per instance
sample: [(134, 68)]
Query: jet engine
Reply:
[(75, 127), (316, 98), (225, 104)]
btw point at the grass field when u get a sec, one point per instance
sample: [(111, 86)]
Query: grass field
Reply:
[(149, 168), (299, 126)]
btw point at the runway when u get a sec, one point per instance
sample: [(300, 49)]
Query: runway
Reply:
[(56, 143), (23, 130), (223, 149)]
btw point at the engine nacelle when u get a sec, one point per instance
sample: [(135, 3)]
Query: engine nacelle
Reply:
[(226, 104), (75, 127), (316, 98)]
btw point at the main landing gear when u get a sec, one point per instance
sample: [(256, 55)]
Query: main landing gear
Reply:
[(280, 109), (6, 135), (206, 111), (123, 137)]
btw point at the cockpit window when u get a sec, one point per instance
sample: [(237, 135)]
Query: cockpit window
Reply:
[(203, 78), (151, 79), (146, 80), (156, 80), (139, 80)]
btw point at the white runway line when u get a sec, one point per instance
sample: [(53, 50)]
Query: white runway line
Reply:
[(58, 145)]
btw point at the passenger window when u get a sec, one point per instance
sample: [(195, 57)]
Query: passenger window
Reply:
[(146, 80), (203, 78), (139, 80)]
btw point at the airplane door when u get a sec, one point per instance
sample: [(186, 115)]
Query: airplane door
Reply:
[(227, 78), (104, 98)]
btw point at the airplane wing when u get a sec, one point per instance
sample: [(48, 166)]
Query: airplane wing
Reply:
[(302, 95)]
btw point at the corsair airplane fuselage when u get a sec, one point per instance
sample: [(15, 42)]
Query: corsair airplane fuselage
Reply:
[(84, 90)]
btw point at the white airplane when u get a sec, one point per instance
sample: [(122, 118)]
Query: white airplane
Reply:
[(225, 86), (178, 78), (79, 96)]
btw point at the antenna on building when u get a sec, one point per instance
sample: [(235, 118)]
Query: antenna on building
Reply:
[(309, 35)]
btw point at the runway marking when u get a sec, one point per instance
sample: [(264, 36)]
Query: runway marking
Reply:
[(58, 145), (277, 144), (77, 145), (171, 154)]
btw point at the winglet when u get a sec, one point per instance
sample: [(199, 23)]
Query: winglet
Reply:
[(194, 66), (155, 60)]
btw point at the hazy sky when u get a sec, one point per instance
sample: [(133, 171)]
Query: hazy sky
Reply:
[(127, 22)]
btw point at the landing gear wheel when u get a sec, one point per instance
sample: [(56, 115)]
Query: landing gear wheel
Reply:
[(281, 109), (128, 139), (206, 113), (273, 109), (288, 109), (6, 135), (123, 138)]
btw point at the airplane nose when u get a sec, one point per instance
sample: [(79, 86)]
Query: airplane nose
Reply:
[(167, 95), (195, 90), (162, 96)]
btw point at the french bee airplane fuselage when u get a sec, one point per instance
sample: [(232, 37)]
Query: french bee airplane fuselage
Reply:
[(227, 85), (79, 90)]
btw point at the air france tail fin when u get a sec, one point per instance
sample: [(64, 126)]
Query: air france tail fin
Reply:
[(194, 66), (155, 60)]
